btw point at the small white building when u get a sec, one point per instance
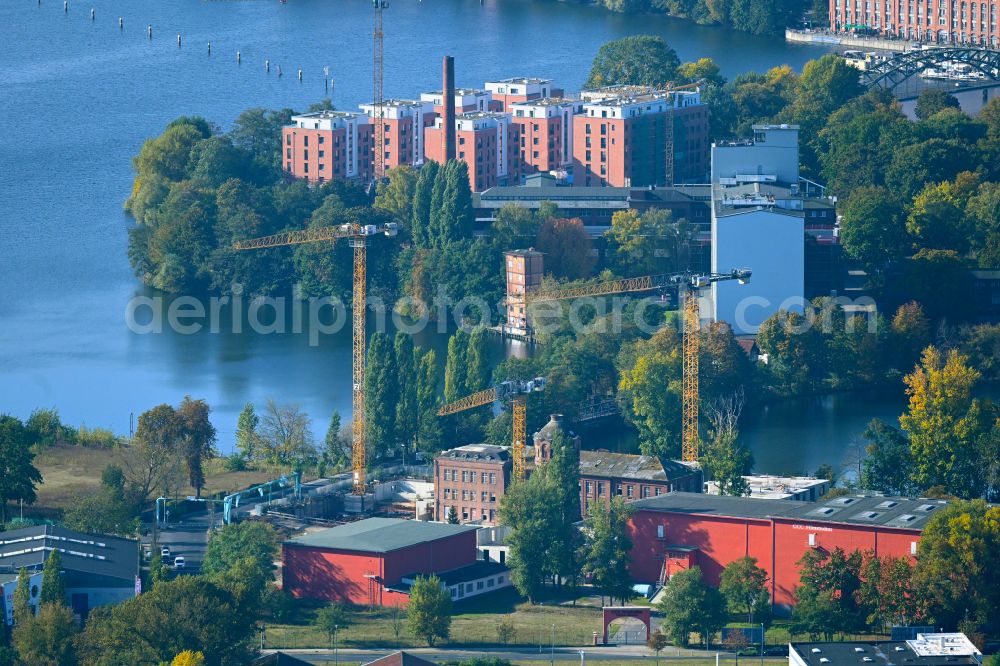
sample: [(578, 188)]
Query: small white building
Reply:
[(799, 488)]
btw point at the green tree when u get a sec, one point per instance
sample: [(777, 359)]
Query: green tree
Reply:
[(286, 434), (983, 212), (197, 440), (944, 423), (158, 571), (567, 248), (812, 615), (456, 373), (153, 455), (186, 613), (744, 585), (957, 563), (607, 552), (240, 557), (428, 614), (381, 395), (888, 464), (887, 594), (930, 101), (690, 605), (396, 195), (334, 446), (22, 597), (940, 281), (649, 390), (563, 471), (832, 575), (937, 218), (641, 60), (407, 416), (47, 639), (656, 642), (258, 132), (247, 439), (46, 429), (724, 458), (420, 218), (909, 335), (526, 508), (330, 619), (429, 435), (702, 69), (872, 228), (53, 589), (18, 476)]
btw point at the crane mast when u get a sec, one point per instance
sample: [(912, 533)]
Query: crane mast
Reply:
[(517, 391), (378, 61), (689, 286), (357, 235)]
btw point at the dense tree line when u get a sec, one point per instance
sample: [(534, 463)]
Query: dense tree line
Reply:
[(758, 17)]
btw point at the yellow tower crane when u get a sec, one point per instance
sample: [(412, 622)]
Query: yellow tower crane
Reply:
[(689, 286), (357, 235), (516, 392)]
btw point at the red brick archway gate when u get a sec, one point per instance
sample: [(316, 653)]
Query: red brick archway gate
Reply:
[(612, 613)]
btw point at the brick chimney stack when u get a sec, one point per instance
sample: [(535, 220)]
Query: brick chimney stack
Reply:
[(448, 95)]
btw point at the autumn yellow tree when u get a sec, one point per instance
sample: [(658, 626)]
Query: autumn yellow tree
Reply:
[(189, 658), (946, 425)]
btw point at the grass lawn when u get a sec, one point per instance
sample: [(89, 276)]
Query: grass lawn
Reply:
[(69, 472), (474, 624)]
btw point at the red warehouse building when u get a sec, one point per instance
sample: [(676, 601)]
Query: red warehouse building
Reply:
[(679, 530), (374, 561)]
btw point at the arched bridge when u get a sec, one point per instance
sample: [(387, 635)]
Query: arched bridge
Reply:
[(900, 66)]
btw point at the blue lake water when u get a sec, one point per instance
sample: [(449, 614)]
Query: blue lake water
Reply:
[(78, 97)]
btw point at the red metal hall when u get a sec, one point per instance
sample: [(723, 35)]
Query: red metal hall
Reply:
[(679, 530), (373, 562)]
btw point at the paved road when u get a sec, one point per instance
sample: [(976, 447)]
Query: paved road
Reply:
[(619, 653)]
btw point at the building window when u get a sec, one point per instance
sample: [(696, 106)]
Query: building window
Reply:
[(618, 490), (489, 582), (600, 489), (493, 478), (322, 139), (479, 585), (590, 488), (322, 153), (628, 491), (468, 588), (305, 140), (482, 478), (288, 139)]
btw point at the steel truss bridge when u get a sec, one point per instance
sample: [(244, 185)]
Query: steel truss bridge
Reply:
[(901, 66)]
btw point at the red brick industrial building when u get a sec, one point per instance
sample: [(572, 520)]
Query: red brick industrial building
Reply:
[(676, 531), (374, 561), (604, 475), (941, 21), (469, 482)]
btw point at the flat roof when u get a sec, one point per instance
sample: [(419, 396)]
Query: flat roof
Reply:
[(888, 653), (379, 535), (96, 554), (477, 452), (893, 512), (554, 193), (524, 80), (546, 101)]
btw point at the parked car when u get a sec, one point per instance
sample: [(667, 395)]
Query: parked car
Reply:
[(179, 562), (165, 552)]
